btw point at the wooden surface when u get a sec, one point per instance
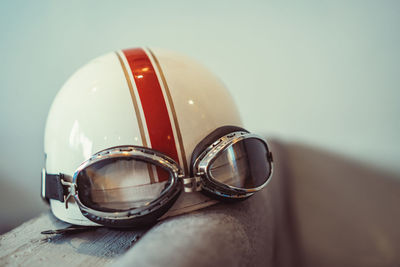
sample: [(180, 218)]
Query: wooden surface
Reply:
[(26, 246)]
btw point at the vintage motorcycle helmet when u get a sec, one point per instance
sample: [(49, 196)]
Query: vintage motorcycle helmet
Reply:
[(134, 130)]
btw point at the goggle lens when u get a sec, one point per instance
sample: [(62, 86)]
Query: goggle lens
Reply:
[(118, 184), (245, 164)]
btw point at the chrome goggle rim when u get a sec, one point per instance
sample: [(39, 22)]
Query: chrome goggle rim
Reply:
[(144, 154), (157, 158), (205, 159)]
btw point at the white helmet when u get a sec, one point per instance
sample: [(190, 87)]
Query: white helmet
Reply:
[(122, 103)]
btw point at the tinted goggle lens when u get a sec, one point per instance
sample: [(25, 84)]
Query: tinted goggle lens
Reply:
[(119, 184), (244, 165)]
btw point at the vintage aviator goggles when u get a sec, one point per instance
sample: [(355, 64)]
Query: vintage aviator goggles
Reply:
[(229, 164)]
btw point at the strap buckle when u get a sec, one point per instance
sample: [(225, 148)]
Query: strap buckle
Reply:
[(71, 191), (43, 192)]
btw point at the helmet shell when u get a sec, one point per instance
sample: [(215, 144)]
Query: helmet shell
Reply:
[(104, 104)]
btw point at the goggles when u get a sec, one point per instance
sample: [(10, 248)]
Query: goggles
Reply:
[(229, 164)]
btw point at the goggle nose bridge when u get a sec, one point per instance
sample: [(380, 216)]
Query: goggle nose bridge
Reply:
[(191, 184)]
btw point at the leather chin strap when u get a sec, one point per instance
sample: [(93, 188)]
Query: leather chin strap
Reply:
[(53, 187)]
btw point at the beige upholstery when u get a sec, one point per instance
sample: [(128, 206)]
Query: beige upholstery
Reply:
[(347, 213)]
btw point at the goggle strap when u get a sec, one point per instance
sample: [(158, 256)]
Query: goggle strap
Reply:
[(52, 186)]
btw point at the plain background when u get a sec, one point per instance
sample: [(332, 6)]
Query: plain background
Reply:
[(324, 73)]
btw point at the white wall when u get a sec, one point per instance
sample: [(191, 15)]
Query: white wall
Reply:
[(324, 73)]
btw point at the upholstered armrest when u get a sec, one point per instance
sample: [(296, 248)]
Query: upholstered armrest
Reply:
[(319, 209), (347, 213)]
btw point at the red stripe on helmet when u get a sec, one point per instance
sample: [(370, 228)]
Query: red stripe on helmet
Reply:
[(153, 103)]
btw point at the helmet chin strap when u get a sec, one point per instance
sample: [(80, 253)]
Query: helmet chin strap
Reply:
[(72, 229), (75, 229)]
